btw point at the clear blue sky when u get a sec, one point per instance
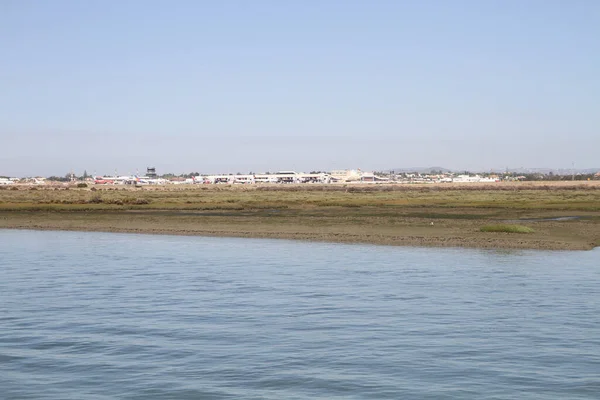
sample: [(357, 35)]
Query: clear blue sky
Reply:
[(228, 86)]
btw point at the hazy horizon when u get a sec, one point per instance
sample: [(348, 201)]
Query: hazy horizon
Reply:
[(267, 85)]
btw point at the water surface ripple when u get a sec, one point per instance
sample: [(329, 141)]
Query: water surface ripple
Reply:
[(105, 316)]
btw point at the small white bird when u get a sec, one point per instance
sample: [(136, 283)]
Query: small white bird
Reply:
[(431, 223)]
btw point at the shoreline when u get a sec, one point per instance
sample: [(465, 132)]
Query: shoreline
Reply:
[(411, 236), (560, 217), (407, 241)]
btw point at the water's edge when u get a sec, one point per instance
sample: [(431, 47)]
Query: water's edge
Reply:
[(500, 242)]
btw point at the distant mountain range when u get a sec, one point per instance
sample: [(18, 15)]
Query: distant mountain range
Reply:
[(545, 171), (421, 170), (556, 171)]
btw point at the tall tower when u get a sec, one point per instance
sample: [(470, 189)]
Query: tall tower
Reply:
[(151, 172)]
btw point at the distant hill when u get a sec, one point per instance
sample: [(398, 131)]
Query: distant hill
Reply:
[(420, 170), (556, 171), (543, 171)]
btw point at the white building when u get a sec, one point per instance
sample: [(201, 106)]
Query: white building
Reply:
[(472, 178), (6, 181)]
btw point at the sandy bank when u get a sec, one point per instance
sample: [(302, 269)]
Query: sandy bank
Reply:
[(548, 235), (442, 215)]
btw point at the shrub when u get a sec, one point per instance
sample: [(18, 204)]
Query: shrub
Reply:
[(82, 185), (118, 202), (95, 199), (141, 201), (135, 201), (506, 228)]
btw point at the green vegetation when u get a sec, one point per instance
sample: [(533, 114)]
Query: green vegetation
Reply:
[(507, 228), (421, 201), (431, 215)]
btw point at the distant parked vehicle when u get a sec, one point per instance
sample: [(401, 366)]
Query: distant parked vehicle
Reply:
[(102, 181)]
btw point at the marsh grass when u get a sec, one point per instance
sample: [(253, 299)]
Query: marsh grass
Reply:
[(507, 228), (392, 198), (369, 214)]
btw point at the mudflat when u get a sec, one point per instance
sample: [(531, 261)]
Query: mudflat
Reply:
[(562, 215)]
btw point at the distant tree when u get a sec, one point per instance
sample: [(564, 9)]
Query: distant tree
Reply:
[(534, 177), (584, 177), (85, 175), (59, 178)]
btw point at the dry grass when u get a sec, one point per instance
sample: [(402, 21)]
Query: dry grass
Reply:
[(391, 214), (580, 197)]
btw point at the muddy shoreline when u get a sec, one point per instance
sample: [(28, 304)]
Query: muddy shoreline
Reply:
[(549, 235), (562, 216)]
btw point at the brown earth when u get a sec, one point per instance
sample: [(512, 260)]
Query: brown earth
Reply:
[(416, 216)]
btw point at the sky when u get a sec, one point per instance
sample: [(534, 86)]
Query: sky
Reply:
[(235, 86)]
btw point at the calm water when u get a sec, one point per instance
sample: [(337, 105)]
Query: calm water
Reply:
[(104, 316)]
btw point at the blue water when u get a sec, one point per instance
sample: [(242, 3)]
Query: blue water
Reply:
[(105, 316)]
